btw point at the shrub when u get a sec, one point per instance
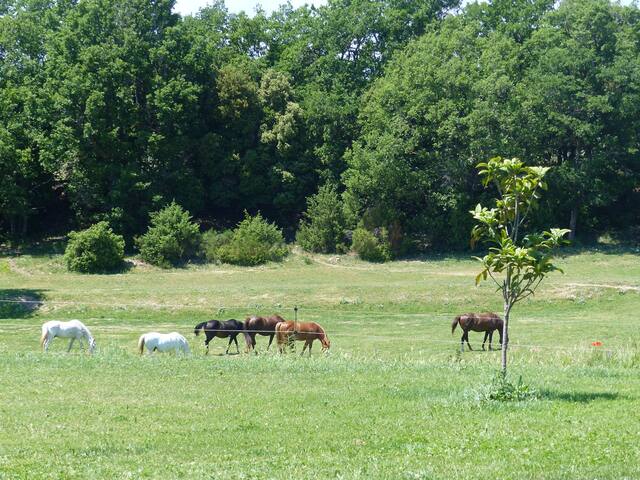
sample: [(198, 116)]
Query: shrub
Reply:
[(212, 241), (171, 239), (96, 249), (322, 228), (369, 247), (253, 242), (500, 389)]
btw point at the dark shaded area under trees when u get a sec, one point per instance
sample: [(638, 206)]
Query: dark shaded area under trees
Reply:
[(112, 109)]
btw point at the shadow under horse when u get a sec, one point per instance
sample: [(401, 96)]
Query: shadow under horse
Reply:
[(478, 322), (216, 328), (255, 325)]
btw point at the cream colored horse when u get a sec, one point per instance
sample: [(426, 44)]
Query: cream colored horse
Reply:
[(74, 329), (163, 342)]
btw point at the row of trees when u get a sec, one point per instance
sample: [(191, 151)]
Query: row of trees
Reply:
[(111, 109)]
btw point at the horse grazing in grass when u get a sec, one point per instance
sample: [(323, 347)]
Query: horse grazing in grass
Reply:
[(74, 329), (287, 332), (260, 325), (478, 322), (163, 342), (215, 328)]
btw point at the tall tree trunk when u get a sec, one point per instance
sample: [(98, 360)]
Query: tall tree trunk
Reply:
[(572, 222), (25, 225), (505, 338)]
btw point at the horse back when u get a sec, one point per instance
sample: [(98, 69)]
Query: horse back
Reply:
[(233, 324)]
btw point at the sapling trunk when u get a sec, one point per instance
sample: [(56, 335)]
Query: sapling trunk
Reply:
[(505, 338), (573, 222)]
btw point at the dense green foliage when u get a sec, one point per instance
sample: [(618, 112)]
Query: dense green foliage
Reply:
[(253, 242), (110, 109), (172, 237), (553, 86), (323, 225), (369, 246), (96, 249), (212, 241)]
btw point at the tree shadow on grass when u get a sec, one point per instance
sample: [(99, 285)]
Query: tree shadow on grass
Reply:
[(578, 397), (44, 248), (20, 302)]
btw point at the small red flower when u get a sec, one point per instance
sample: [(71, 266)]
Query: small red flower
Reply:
[(596, 344)]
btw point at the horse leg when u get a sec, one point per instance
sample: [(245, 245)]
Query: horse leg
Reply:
[(310, 345), (270, 340), (466, 337), (235, 339), (206, 344), (73, 339), (490, 339), (486, 334), (307, 343), (229, 345), (47, 340)]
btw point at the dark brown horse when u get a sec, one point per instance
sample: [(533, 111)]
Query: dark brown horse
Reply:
[(262, 326), (478, 322), (215, 328), (287, 332)]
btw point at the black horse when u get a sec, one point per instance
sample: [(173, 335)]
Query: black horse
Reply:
[(215, 328)]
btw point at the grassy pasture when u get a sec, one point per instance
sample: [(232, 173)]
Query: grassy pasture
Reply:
[(394, 399)]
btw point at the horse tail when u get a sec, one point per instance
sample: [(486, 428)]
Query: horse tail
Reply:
[(454, 324), (141, 344), (43, 337), (278, 329), (199, 327)]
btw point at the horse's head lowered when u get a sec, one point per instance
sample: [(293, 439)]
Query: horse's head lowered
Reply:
[(92, 344), (326, 344)]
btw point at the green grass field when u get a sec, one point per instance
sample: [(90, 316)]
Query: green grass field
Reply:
[(394, 399)]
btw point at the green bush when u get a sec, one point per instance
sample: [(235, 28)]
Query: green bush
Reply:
[(253, 242), (171, 239), (500, 389), (96, 249), (369, 247), (212, 240), (322, 228)]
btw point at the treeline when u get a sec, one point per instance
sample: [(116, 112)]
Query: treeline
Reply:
[(113, 109)]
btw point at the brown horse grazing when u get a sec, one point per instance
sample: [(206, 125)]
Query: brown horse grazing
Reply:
[(478, 322), (286, 332), (260, 325)]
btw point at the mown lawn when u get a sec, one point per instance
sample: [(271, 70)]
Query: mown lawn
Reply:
[(394, 399)]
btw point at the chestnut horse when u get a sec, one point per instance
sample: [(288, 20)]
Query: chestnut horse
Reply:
[(260, 325), (478, 322), (287, 332)]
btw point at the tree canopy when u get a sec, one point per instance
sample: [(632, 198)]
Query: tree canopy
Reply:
[(112, 109)]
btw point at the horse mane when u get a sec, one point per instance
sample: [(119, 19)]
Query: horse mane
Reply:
[(323, 336), (87, 332)]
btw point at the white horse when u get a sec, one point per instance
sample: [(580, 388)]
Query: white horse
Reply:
[(73, 329), (163, 342)]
